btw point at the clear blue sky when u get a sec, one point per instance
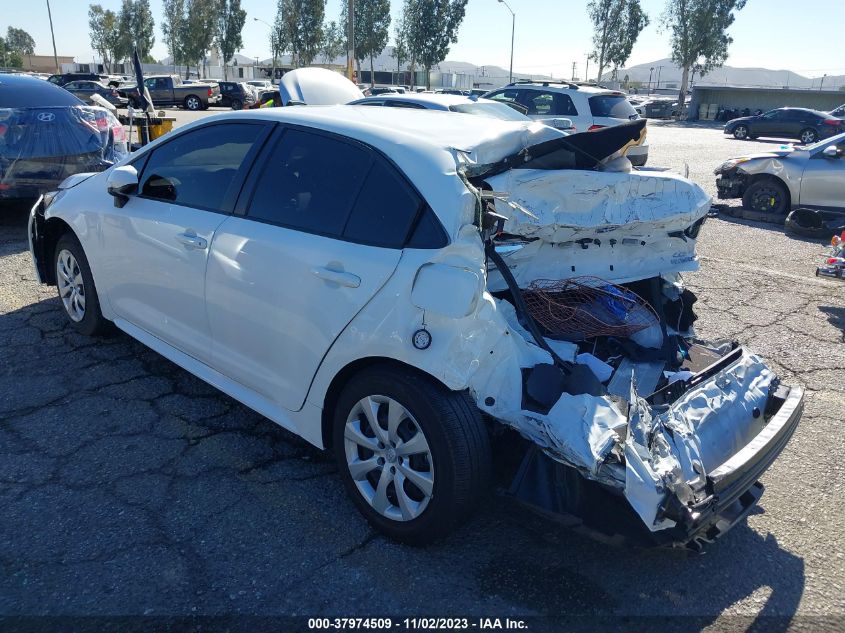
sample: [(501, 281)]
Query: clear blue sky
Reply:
[(550, 34)]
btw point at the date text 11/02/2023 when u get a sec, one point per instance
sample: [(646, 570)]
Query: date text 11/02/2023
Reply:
[(424, 623)]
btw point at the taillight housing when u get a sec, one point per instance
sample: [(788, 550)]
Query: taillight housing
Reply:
[(210, 92), (593, 128), (836, 122)]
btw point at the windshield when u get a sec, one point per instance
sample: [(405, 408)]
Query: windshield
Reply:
[(613, 106), (491, 110)]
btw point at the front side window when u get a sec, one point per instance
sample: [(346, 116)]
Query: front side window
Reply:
[(198, 168)]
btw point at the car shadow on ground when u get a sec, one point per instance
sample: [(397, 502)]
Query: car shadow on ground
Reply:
[(103, 433), (744, 217), (836, 317), (14, 216)]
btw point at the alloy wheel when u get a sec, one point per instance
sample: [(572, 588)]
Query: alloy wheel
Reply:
[(741, 132), (193, 103), (808, 136), (71, 285), (389, 458)]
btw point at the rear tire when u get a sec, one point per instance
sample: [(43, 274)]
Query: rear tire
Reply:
[(76, 287), (237, 104), (808, 136), (768, 196), (449, 453), (193, 103)]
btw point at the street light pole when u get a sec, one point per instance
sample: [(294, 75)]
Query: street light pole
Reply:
[(350, 40), (822, 81), (53, 35), (513, 30)]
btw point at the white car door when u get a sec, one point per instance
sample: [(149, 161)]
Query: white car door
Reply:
[(321, 229), (155, 248)]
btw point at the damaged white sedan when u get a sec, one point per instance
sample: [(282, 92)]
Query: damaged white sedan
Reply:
[(440, 300)]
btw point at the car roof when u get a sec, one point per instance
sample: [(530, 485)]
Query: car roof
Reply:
[(21, 91), (434, 101), (569, 88), (427, 145)]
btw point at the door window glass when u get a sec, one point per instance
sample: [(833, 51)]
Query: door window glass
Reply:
[(197, 169), (385, 209), (310, 183), (541, 103), (505, 95)]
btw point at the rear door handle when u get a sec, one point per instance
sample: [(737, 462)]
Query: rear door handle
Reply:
[(344, 279), (192, 241)]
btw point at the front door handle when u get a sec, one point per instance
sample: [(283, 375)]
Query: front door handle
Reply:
[(192, 241), (344, 279)]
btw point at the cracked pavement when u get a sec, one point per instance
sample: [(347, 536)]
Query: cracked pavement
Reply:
[(129, 487)]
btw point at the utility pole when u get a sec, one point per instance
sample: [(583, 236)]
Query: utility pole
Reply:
[(350, 39), (53, 35), (574, 64), (650, 71), (587, 71), (659, 68), (822, 81)]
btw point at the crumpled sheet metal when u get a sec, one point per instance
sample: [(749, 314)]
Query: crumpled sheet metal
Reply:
[(565, 205)]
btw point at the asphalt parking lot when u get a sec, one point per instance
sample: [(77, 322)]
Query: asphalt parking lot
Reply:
[(129, 487)]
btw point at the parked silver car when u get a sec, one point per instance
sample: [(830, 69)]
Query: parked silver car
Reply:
[(809, 177)]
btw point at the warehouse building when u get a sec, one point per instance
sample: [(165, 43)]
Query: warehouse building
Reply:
[(708, 99)]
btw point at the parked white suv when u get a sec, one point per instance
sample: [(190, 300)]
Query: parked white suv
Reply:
[(401, 286), (588, 107)]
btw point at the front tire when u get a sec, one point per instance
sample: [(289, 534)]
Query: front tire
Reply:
[(766, 196), (414, 456), (741, 132), (193, 103), (76, 287)]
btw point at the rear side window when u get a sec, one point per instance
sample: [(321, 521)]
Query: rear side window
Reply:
[(613, 106), (200, 168), (310, 183), (385, 209), (541, 102), (505, 95)]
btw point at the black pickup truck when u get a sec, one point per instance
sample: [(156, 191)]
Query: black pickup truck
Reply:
[(168, 90)]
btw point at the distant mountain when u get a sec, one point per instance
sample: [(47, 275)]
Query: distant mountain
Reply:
[(670, 74)]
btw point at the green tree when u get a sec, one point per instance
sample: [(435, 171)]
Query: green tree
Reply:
[(230, 23), (8, 57), (400, 45), (198, 29), (699, 34), (334, 42), (432, 26), (136, 29), (372, 29), (19, 41), (102, 28), (298, 28), (173, 27), (616, 26)]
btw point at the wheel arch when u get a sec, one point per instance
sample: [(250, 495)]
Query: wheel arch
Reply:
[(54, 229), (342, 377)]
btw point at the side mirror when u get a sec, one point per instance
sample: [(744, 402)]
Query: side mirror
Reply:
[(563, 124), (832, 151), (122, 182), (446, 290)]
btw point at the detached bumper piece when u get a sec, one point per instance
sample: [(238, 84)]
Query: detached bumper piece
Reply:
[(561, 493)]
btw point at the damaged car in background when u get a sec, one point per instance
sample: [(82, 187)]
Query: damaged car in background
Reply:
[(804, 184), (442, 300)]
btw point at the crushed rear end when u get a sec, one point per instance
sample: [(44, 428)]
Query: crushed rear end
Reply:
[(629, 422)]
